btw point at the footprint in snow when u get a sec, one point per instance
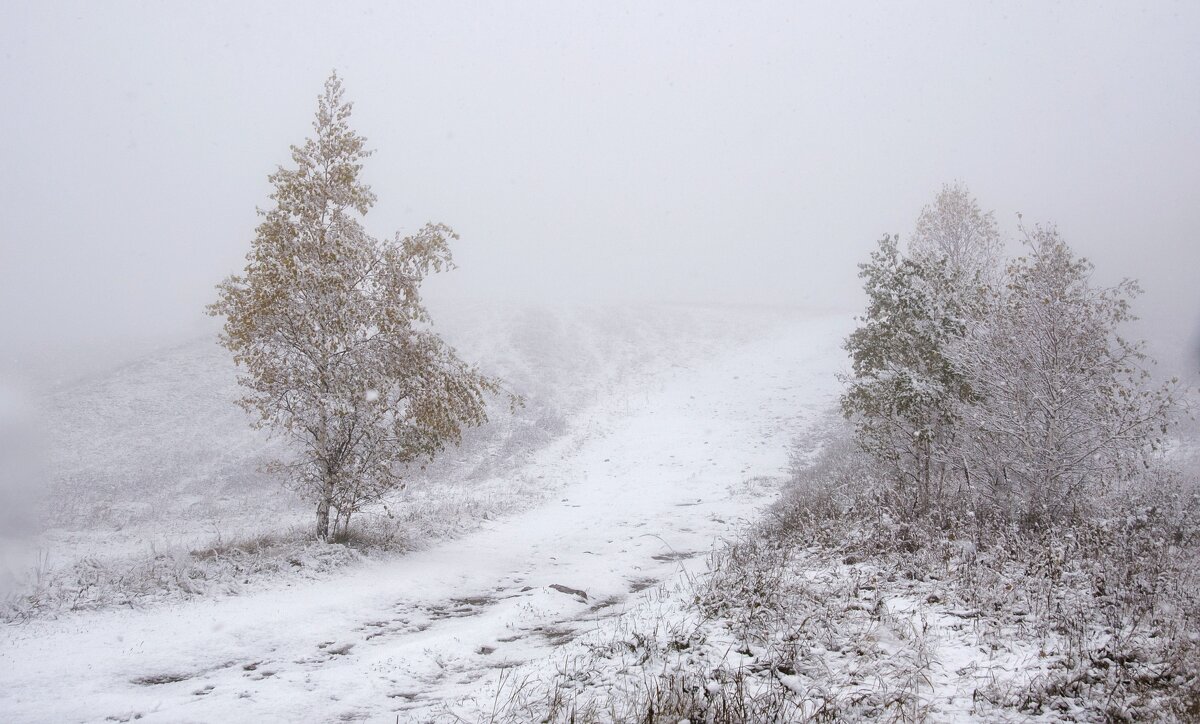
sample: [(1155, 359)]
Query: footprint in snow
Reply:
[(675, 556), (159, 679)]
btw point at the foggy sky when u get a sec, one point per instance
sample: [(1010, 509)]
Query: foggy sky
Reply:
[(696, 152)]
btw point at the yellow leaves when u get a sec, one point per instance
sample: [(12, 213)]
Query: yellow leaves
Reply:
[(329, 325)]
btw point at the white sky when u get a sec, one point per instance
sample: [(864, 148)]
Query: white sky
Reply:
[(735, 152)]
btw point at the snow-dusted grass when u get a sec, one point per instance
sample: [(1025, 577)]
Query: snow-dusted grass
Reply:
[(223, 568), (837, 607), (752, 640), (1094, 616), (152, 468)]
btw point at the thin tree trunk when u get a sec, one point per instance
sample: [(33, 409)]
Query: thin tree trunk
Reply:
[(325, 503), (323, 520), (323, 507)]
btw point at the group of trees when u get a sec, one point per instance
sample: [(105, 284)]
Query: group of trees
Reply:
[(1005, 388), (335, 344)]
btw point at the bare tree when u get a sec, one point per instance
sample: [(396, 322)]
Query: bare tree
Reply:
[(328, 327)]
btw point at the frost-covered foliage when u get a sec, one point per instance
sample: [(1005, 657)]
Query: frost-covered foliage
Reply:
[(336, 344), (1093, 618), (905, 393), (752, 640), (956, 232), (1065, 410), (1014, 388), (92, 582), (1051, 522)]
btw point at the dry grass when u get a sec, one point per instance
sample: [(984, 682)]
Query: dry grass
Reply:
[(840, 607)]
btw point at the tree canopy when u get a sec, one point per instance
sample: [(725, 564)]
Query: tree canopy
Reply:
[(335, 345), (1012, 386)]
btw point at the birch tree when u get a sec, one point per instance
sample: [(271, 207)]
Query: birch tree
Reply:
[(1017, 388), (1066, 406), (334, 344), (955, 230), (905, 392)]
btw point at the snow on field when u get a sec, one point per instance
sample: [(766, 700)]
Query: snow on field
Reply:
[(153, 458), (649, 473)]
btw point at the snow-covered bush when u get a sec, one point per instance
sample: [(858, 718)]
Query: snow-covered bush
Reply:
[(906, 390), (1014, 393), (1109, 602), (1065, 409)]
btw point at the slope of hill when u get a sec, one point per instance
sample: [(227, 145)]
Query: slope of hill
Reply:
[(676, 430), (154, 474)]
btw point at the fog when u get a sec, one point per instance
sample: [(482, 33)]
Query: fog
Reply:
[(625, 488), (690, 152)]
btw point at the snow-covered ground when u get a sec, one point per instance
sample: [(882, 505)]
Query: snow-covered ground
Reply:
[(152, 476), (650, 470)]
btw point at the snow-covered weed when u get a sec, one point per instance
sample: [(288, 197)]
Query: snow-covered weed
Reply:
[(1111, 602), (754, 639), (178, 573), (227, 567), (843, 605)]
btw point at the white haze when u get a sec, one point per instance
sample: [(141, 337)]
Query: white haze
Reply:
[(681, 152)]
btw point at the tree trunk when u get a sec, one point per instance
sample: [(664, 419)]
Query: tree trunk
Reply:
[(325, 503), (323, 520)]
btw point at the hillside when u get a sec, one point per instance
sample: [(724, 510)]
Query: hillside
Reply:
[(151, 462)]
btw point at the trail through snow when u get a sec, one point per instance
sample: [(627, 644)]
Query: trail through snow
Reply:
[(648, 482)]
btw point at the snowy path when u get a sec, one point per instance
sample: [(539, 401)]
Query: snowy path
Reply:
[(647, 484)]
